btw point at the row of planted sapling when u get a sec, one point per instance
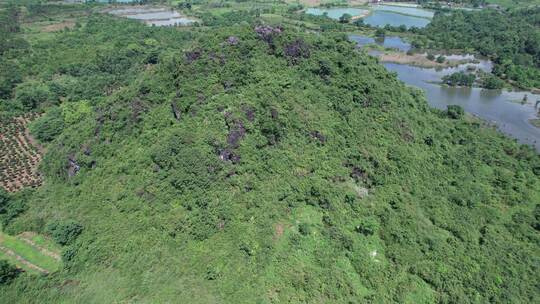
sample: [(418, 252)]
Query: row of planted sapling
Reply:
[(19, 158)]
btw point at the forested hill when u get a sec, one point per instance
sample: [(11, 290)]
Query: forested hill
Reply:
[(258, 164)]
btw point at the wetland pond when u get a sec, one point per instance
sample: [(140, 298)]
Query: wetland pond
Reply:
[(336, 13), (158, 16), (502, 108), (380, 15), (389, 42), (398, 15)]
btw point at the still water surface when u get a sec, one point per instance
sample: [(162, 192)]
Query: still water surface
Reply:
[(503, 108), (382, 18), (153, 15), (380, 15), (413, 11), (336, 13), (500, 107), (391, 42)]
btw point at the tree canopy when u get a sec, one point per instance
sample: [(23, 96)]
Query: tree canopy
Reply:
[(511, 38), (243, 162)]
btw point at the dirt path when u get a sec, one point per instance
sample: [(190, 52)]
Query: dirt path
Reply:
[(22, 260), (27, 238)]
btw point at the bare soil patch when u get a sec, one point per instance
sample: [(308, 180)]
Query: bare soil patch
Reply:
[(416, 60), (58, 26), (278, 231)]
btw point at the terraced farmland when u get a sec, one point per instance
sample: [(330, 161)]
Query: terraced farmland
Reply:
[(30, 252), (19, 154)]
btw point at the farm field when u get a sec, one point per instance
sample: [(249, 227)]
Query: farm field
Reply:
[(19, 154)]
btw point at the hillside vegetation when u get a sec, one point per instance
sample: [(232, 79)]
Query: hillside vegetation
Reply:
[(259, 164)]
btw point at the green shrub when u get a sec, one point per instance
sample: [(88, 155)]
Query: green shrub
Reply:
[(368, 226), (459, 79), (8, 272), (441, 59), (64, 233), (455, 111), (10, 76), (304, 229), (32, 94), (9, 208), (50, 125), (345, 18), (490, 81)]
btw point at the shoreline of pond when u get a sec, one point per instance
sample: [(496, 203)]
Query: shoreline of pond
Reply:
[(377, 14), (503, 108)]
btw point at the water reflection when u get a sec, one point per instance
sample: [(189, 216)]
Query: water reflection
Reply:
[(391, 42), (336, 13), (158, 16), (382, 18), (380, 15), (503, 108), (500, 107), (413, 11)]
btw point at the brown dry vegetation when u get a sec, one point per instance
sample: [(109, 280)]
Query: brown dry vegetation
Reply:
[(420, 60), (58, 26), (19, 155)]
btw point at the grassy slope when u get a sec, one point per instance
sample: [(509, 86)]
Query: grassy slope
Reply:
[(29, 253)]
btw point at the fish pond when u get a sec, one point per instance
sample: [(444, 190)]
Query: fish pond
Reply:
[(404, 10), (383, 18), (380, 15), (383, 15), (336, 13), (157, 16)]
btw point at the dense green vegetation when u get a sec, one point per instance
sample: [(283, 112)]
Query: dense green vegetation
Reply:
[(459, 79), (10, 207), (489, 81), (511, 39), (245, 163), (8, 272)]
